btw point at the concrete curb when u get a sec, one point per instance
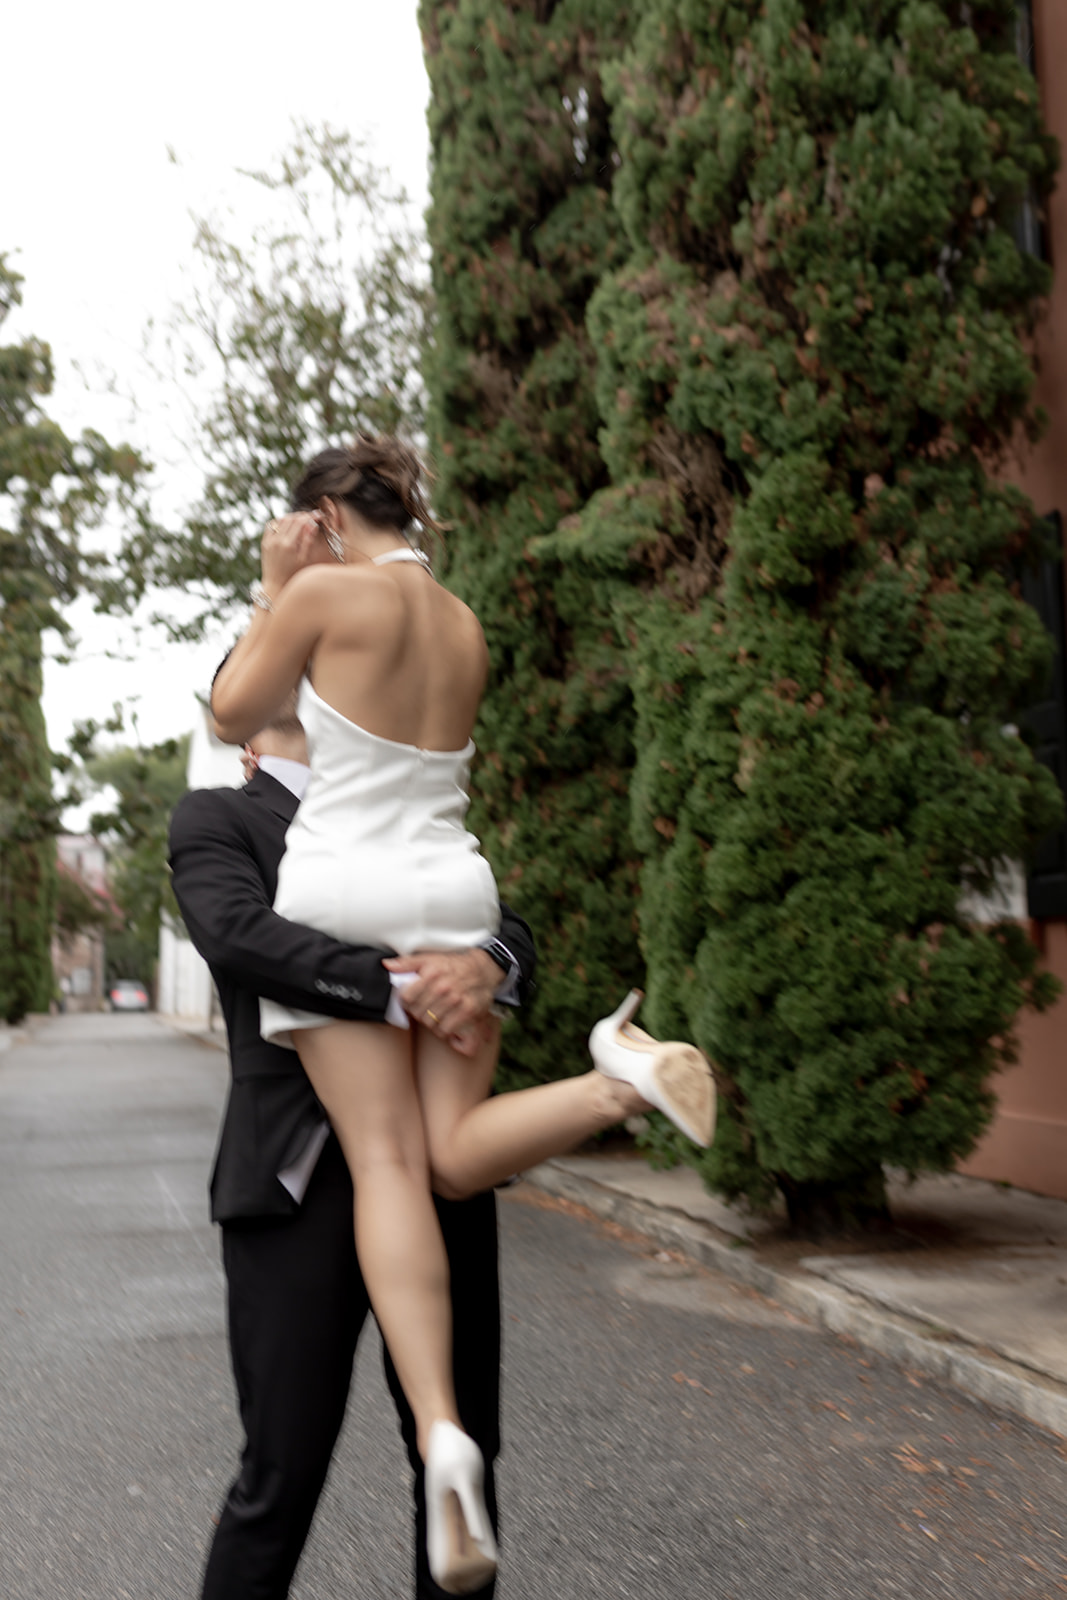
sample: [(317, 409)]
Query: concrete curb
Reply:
[(919, 1345)]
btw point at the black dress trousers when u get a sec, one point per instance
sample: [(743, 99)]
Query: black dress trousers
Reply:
[(297, 1303)]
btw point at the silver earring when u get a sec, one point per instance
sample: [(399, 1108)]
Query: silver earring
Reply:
[(334, 543)]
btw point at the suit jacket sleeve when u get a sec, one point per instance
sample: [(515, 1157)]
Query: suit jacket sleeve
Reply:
[(515, 935), (220, 889)]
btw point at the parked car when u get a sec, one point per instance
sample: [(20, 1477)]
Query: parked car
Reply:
[(127, 994)]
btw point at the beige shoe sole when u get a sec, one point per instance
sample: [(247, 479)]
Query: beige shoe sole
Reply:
[(684, 1080)]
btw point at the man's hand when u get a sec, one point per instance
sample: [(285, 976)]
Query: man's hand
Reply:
[(451, 994)]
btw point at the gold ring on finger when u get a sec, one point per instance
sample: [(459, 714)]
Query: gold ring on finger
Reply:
[(432, 1015)]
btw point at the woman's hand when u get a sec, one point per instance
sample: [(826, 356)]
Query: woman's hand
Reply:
[(290, 543), (272, 654)]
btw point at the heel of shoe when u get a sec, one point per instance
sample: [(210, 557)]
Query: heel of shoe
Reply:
[(460, 1546), (629, 1008), (606, 1031)]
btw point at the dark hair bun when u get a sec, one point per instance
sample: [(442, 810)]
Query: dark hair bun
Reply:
[(379, 477)]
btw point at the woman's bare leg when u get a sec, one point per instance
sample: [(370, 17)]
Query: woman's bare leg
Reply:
[(364, 1076), (475, 1142)]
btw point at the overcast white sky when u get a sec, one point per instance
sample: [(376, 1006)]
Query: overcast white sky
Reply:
[(96, 216)]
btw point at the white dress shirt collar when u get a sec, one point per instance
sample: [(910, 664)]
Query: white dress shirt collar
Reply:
[(294, 775)]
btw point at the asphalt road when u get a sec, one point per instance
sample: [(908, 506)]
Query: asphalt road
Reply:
[(666, 1432)]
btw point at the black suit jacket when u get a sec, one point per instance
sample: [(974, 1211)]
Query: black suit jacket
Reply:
[(225, 846)]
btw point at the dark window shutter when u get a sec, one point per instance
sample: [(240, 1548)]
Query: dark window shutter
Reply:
[(1046, 725), (1028, 225)]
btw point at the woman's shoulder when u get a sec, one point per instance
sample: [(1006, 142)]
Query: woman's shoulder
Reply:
[(370, 598), (323, 583), (473, 634)]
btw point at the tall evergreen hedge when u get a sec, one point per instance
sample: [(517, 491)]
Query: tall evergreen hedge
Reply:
[(27, 814), (522, 229), (51, 489), (810, 369)]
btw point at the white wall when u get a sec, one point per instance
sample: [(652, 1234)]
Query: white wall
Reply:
[(211, 765), (184, 986), (1006, 901)]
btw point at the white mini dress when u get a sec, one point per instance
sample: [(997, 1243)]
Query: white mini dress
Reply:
[(378, 852)]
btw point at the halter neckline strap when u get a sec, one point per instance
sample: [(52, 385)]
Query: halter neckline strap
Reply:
[(401, 554)]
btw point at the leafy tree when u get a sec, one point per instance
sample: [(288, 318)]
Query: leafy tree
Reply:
[(145, 785), (521, 229), (306, 333), (810, 368), (79, 909), (27, 814), (52, 490)]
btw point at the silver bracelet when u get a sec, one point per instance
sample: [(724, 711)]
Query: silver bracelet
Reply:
[(259, 597)]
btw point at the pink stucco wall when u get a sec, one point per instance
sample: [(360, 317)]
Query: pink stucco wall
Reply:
[(1027, 1144)]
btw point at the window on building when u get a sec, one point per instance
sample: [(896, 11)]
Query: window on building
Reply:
[(1028, 226), (1046, 726)]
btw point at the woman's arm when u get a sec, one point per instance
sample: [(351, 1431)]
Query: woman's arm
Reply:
[(267, 662)]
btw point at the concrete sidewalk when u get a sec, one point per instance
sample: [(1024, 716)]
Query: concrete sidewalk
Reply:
[(971, 1287)]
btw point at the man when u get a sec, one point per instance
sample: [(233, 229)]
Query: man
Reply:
[(280, 1188)]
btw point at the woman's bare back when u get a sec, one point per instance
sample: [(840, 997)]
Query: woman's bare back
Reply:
[(400, 656)]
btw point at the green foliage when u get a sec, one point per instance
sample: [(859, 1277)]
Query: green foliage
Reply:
[(52, 489), (808, 367), (146, 784), (304, 334), (79, 909), (27, 813), (521, 229)]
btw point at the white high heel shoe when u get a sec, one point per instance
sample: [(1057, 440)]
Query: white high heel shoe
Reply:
[(459, 1536), (673, 1077)]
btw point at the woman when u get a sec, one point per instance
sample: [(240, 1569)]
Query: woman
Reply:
[(392, 668)]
